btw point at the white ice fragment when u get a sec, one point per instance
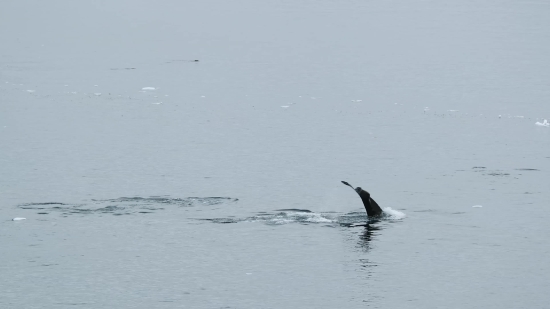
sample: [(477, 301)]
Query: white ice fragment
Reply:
[(477, 206), (499, 116), (453, 110), (202, 96), (18, 219), (31, 91), (249, 273), (545, 123), (157, 103), (359, 101), (97, 93), (426, 109), (96, 85), (148, 88), (165, 95), (284, 106)]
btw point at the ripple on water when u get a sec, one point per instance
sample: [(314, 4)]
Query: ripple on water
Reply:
[(304, 216), (125, 205)]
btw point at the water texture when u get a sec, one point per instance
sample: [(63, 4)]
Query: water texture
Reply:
[(189, 154)]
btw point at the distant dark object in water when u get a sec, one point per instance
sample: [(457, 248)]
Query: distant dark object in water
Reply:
[(371, 206), (294, 209)]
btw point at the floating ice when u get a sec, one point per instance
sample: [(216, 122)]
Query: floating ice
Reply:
[(284, 106), (97, 93), (18, 219), (148, 88), (157, 103), (477, 206), (31, 91), (394, 214), (545, 123), (359, 101), (453, 110)]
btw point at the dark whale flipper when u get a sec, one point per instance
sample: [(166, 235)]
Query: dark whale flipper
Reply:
[(371, 206)]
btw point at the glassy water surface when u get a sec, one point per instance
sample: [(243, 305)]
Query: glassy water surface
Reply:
[(150, 180)]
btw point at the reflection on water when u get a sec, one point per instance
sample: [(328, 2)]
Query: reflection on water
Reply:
[(367, 235)]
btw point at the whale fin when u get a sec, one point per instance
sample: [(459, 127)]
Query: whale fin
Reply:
[(372, 208)]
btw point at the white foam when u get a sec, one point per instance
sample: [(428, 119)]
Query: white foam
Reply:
[(394, 214), (31, 91), (477, 206), (284, 106), (545, 123), (287, 217), (18, 219), (148, 88), (97, 93)]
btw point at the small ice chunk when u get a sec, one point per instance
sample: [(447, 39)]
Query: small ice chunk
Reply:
[(96, 85), (453, 110), (477, 206), (97, 93), (284, 106), (202, 96), (157, 103), (148, 88), (31, 91), (18, 219), (545, 123)]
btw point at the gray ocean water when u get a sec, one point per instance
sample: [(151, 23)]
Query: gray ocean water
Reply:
[(151, 180)]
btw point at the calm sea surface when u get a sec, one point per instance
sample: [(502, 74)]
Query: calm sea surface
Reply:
[(151, 180)]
